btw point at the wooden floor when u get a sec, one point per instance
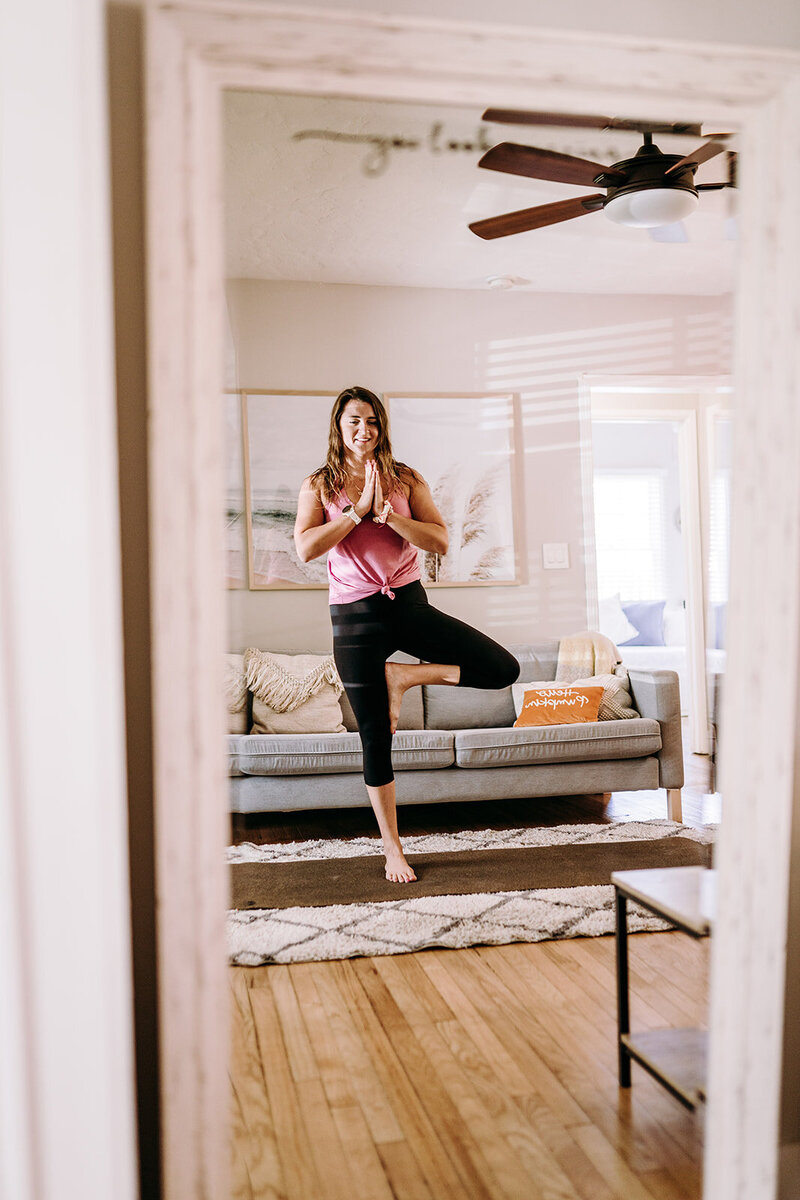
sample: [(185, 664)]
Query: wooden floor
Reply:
[(488, 1072)]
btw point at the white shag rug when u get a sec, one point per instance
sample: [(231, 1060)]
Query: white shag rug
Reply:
[(260, 936)]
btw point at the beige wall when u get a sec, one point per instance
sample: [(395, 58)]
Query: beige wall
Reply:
[(325, 337), (775, 23)]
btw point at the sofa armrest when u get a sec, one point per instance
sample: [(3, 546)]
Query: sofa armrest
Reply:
[(656, 694)]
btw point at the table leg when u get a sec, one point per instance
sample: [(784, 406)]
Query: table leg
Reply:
[(623, 1013)]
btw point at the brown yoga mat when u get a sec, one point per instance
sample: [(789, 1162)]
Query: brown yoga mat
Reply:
[(461, 872)]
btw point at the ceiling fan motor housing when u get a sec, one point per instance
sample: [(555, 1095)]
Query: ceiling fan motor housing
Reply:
[(647, 171)]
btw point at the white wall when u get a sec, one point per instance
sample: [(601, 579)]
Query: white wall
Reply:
[(66, 1079), (325, 337), (773, 23)]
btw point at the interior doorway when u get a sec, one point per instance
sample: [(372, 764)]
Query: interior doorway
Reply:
[(655, 491)]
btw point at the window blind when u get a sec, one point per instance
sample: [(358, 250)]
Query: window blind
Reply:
[(629, 534)]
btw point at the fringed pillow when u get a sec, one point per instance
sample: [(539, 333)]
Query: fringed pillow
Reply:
[(293, 693), (236, 693)]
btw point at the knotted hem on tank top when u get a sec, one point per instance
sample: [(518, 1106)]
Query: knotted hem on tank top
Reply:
[(376, 559)]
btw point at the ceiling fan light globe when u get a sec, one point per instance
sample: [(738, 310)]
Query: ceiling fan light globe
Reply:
[(651, 207)]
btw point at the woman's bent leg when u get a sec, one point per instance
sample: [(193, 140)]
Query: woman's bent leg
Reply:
[(441, 639)]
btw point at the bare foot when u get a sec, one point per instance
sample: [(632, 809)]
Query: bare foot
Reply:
[(397, 868), (398, 680)]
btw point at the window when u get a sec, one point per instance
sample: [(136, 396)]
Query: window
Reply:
[(629, 534)]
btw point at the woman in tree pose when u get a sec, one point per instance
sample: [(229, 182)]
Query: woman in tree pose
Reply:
[(372, 514)]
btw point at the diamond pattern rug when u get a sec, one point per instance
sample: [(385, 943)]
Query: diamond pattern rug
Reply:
[(316, 933)]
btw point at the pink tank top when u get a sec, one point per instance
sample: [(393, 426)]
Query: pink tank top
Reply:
[(372, 558)]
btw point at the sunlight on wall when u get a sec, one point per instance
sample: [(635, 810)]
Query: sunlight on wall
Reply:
[(545, 369)]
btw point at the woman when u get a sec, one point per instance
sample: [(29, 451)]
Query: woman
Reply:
[(371, 514)]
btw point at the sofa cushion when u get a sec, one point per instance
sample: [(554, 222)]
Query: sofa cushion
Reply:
[(233, 755), (336, 753), (467, 708), (557, 743)]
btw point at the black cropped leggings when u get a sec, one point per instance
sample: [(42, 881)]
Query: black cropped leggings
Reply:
[(366, 632)]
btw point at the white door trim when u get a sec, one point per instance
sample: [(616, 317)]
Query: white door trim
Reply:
[(193, 50)]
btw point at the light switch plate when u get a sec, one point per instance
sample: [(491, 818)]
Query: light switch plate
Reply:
[(555, 555)]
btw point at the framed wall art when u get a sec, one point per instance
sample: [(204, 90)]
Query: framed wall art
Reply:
[(464, 444), (236, 573), (285, 438)]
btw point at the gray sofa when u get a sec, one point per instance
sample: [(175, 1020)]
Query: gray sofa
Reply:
[(459, 744)]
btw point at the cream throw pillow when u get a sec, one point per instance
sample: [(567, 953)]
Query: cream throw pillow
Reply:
[(617, 702), (236, 693), (293, 693)]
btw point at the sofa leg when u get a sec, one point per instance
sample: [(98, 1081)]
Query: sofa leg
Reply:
[(674, 809)]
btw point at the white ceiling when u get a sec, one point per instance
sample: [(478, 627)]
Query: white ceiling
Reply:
[(339, 211)]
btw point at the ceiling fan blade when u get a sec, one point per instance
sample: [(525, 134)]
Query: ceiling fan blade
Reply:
[(730, 182), (699, 155), (537, 217), (516, 116), (533, 163)]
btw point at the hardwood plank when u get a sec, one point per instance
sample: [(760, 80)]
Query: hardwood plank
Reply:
[(256, 1162), (294, 1148), (515, 1115), (511, 1174), (362, 1154), (333, 1168), (512, 1030), (348, 1038), (583, 1061), (504, 1065), (404, 976), (302, 1062), (334, 1068), (455, 1138), (444, 1176), (677, 1126), (611, 1165), (404, 1175)]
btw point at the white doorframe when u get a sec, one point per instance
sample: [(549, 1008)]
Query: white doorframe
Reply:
[(194, 49), (692, 465)]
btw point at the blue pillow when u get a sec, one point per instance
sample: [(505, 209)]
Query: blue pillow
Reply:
[(648, 617)]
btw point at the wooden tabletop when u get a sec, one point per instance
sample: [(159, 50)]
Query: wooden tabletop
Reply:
[(685, 895)]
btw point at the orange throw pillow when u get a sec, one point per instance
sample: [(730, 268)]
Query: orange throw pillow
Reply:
[(559, 705)]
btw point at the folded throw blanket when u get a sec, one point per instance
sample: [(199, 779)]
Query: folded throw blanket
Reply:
[(269, 680), (585, 654)]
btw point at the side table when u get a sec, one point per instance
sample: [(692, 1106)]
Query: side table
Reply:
[(686, 896)]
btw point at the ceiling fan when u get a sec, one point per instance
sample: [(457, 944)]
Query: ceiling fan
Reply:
[(650, 190)]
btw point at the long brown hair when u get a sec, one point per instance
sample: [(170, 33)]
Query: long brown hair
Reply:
[(331, 477)]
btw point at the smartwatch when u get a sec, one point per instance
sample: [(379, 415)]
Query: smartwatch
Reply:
[(349, 511)]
